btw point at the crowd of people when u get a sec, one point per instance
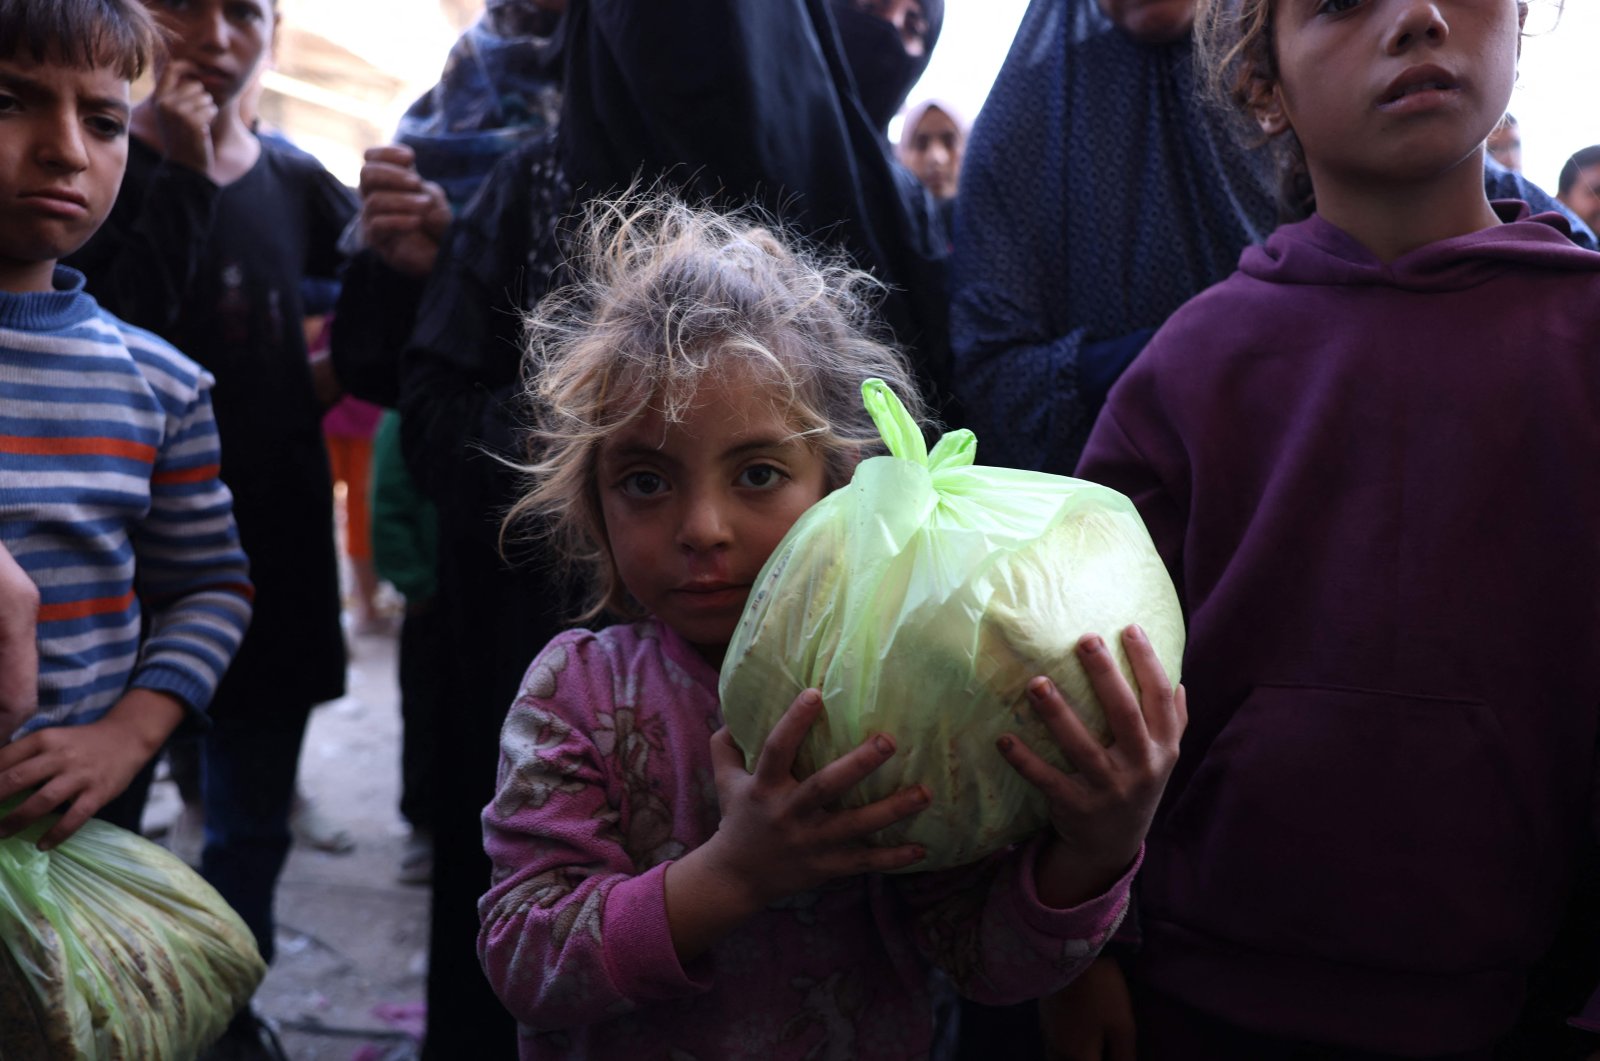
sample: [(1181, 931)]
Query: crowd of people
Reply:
[(1270, 269)]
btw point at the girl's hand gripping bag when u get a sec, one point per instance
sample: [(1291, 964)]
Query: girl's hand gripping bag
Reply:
[(111, 949), (920, 600)]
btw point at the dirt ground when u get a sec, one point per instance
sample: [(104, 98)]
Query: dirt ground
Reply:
[(352, 941)]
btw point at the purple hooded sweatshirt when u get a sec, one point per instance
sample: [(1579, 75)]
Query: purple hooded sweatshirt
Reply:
[(1377, 488)]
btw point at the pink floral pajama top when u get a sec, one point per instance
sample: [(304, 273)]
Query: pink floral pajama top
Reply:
[(605, 778)]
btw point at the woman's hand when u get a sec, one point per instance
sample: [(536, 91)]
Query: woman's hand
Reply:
[(1101, 814), (403, 217), (779, 836)]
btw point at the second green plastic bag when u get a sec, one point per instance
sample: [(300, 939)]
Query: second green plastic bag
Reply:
[(921, 599), (111, 949)]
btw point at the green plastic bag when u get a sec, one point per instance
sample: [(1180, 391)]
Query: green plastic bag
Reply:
[(920, 600), (111, 948)]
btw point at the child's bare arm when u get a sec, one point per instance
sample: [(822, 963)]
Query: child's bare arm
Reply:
[(1100, 815), (84, 767), (778, 836), (19, 646)]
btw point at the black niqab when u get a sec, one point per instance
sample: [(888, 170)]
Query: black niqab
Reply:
[(884, 72), (739, 101)]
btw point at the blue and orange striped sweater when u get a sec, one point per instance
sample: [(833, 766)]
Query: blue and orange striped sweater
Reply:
[(110, 500)]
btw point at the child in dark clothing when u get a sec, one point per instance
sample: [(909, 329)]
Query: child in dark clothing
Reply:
[(1368, 458)]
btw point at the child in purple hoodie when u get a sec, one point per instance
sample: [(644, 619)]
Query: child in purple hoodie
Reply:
[(1371, 460), (651, 898)]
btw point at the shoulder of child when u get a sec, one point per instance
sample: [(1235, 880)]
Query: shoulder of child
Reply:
[(172, 373), (585, 651), (628, 665)]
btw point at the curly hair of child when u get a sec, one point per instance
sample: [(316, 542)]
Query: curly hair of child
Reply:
[(666, 296)]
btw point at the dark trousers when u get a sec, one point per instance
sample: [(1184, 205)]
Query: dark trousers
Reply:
[(424, 668), (498, 620), (248, 764), (1168, 1030)]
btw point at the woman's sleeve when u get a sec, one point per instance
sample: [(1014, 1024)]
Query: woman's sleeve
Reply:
[(461, 369), (330, 208), (571, 932), (1030, 382), (139, 265), (985, 927), (375, 315)]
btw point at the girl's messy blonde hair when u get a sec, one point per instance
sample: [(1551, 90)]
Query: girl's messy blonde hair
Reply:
[(1235, 50), (668, 296)]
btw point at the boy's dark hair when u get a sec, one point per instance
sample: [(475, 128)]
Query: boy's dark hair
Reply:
[(1580, 161), (119, 34)]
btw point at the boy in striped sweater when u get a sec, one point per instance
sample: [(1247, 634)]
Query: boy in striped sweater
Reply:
[(110, 499)]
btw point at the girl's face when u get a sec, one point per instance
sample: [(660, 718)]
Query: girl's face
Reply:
[(934, 152), (1387, 91), (693, 509), (221, 43)]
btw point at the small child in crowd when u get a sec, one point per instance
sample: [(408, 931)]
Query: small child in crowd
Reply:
[(1368, 458), (110, 500), (697, 393), (1579, 184)]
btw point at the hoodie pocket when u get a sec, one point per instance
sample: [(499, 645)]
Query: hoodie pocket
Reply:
[(1358, 826)]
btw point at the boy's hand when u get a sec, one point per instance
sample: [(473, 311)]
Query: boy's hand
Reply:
[(403, 217), (184, 113), (1101, 813), (83, 767), (1091, 1019), (779, 836), (19, 646)]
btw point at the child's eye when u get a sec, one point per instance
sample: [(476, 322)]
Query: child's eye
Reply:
[(642, 485), (106, 127), (761, 477), (1335, 7), (9, 103)]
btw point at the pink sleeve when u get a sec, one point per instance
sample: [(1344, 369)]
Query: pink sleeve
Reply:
[(1589, 1019), (986, 928), (571, 932)]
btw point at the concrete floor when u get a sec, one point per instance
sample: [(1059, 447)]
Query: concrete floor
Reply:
[(348, 981)]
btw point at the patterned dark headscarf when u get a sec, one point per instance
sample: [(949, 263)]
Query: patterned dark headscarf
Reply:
[(501, 85)]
